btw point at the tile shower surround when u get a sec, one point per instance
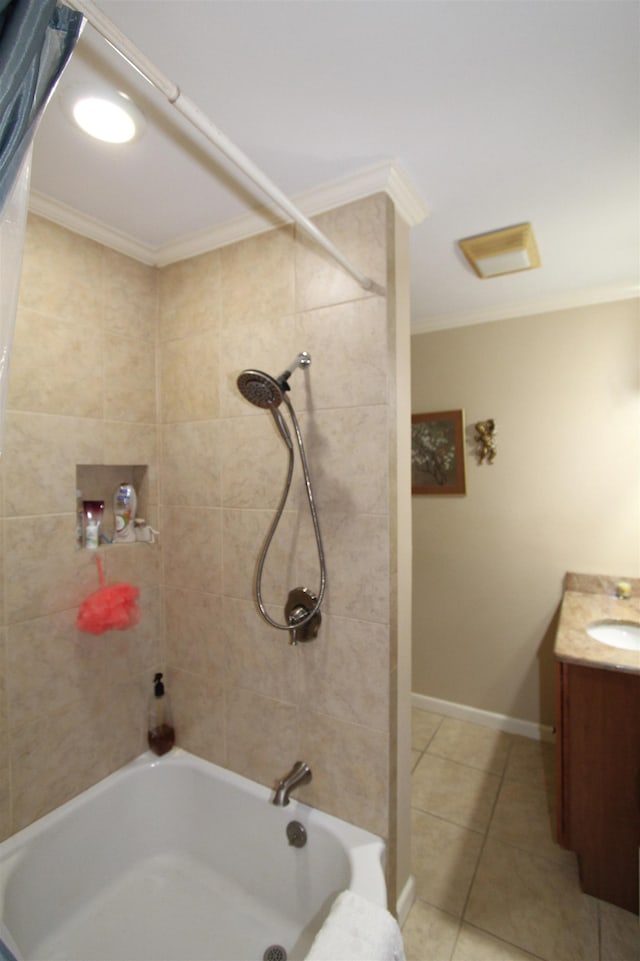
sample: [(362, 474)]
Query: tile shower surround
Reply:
[(115, 362)]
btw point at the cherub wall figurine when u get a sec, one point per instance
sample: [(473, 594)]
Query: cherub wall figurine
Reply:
[(486, 431)]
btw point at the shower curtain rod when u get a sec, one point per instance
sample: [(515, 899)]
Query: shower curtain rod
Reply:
[(127, 49)]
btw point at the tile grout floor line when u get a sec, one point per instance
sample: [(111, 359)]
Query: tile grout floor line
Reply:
[(482, 847)]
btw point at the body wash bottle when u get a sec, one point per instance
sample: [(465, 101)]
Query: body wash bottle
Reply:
[(124, 512), (160, 733)]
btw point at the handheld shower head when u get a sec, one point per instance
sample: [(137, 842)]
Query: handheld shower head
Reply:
[(265, 391), (260, 389), (282, 427)]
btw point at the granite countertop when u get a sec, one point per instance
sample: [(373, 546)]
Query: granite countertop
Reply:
[(587, 599)]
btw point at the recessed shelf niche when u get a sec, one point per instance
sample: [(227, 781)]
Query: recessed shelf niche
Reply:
[(99, 482)]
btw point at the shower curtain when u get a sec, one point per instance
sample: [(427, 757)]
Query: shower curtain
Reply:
[(37, 38)]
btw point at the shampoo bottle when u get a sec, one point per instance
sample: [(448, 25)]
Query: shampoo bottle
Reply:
[(125, 503), (160, 735)]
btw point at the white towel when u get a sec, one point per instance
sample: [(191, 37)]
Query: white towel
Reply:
[(357, 930)]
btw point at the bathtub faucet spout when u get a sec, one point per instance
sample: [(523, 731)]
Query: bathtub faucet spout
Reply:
[(300, 773)]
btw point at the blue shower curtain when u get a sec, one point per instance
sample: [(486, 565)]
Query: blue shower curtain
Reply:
[(37, 38)]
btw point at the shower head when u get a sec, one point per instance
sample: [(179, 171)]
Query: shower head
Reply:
[(260, 389), (265, 391)]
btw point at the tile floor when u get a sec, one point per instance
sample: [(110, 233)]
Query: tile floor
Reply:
[(491, 883)]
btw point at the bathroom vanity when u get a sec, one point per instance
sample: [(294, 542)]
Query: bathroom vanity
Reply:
[(598, 740)]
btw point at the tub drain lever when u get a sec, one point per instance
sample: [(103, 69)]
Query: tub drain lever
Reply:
[(296, 834)]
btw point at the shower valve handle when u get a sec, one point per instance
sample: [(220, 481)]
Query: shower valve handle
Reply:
[(300, 603)]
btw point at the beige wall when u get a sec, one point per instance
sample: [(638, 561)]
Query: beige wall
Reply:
[(83, 390), (562, 495)]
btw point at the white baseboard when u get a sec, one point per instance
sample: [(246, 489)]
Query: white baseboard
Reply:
[(405, 900), (499, 722)]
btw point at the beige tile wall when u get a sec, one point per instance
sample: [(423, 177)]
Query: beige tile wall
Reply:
[(260, 704), (83, 390)]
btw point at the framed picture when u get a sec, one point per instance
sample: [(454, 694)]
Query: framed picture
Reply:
[(437, 453)]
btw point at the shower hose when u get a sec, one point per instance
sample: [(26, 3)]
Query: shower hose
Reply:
[(284, 430)]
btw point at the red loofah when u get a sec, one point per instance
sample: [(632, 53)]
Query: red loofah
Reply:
[(113, 607)]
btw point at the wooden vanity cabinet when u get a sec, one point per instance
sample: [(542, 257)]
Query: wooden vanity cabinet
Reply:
[(598, 761)]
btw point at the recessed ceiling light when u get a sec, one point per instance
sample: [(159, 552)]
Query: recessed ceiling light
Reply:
[(501, 252), (110, 117)]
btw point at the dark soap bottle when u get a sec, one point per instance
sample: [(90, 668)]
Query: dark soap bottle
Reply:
[(160, 734)]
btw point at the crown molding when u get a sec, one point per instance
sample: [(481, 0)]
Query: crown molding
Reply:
[(86, 226), (563, 301), (408, 203), (387, 177)]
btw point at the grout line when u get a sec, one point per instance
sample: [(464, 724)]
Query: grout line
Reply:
[(486, 833), (428, 744), (518, 947), (455, 824), (456, 939)]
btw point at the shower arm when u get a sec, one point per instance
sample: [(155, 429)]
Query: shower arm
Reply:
[(303, 359), (128, 50)]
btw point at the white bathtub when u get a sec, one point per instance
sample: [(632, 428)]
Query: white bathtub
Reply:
[(175, 858)]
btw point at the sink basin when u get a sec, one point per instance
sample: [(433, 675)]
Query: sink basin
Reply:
[(621, 634)]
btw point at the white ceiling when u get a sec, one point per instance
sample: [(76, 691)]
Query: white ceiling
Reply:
[(497, 113)]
